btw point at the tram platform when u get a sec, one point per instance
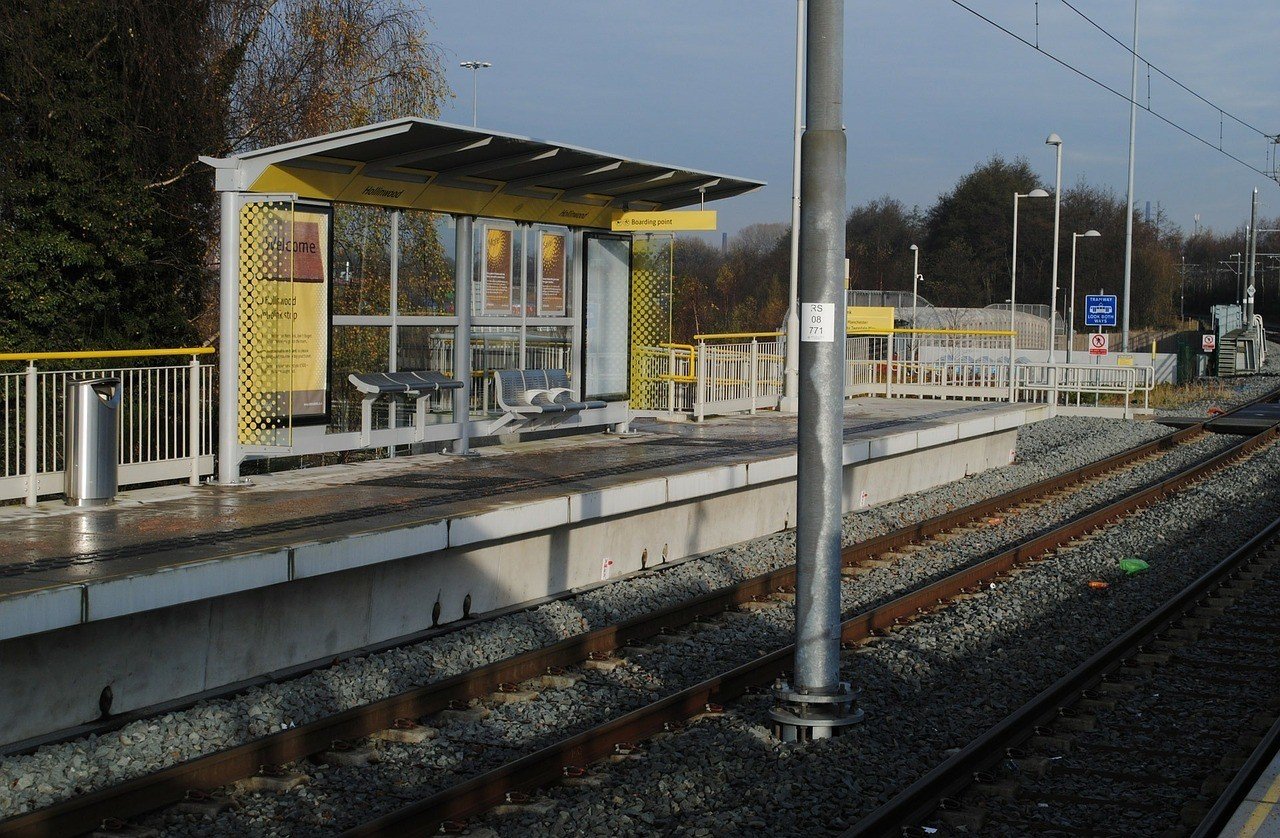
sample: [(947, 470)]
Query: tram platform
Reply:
[(177, 591)]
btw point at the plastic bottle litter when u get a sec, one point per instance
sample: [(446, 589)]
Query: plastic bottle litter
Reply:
[(1132, 566)]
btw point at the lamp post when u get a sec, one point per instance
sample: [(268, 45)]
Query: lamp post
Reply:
[(1013, 287), (1071, 326), (1055, 141), (474, 67)]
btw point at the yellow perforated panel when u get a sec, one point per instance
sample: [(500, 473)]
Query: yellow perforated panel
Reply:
[(651, 270), (266, 324)]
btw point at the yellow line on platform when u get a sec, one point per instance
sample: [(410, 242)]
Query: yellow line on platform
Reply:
[(1262, 810)]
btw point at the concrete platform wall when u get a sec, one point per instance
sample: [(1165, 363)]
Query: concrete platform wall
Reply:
[(52, 681)]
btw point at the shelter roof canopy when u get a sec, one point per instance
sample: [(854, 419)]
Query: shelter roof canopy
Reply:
[(431, 165)]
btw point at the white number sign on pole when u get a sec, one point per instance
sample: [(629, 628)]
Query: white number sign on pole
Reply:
[(818, 322)]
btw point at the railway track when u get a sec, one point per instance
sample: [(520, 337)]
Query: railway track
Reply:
[(509, 780), (1160, 733)]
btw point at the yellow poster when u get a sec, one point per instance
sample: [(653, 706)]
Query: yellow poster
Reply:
[(869, 319), (497, 271), (284, 309), (551, 276)]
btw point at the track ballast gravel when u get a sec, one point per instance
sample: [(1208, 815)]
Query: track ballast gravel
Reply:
[(928, 688)]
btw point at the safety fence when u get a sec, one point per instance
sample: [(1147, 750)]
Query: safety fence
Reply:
[(731, 373), (165, 428)]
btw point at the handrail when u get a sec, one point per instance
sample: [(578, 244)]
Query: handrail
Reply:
[(687, 346), (105, 353), (979, 332), (738, 335)]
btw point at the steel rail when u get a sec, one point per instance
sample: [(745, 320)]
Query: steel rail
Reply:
[(1233, 796), (169, 785), (922, 797), (481, 793)]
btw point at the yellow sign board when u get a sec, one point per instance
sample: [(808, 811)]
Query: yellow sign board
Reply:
[(875, 319), (1124, 360), (649, 222)]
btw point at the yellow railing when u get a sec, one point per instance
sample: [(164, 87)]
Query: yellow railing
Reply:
[(978, 332), (693, 363), (729, 335), (105, 353)]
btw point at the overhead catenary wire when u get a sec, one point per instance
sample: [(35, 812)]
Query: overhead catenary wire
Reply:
[(1171, 123), (1222, 111)]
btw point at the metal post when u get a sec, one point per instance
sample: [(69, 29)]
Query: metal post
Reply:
[(1013, 300), (915, 293), (791, 377), (1055, 141), (229, 343), (1071, 325), (752, 376), (463, 258), (1128, 206), (193, 418), (31, 433), (700, 381), (819, 704), (1250, 288)]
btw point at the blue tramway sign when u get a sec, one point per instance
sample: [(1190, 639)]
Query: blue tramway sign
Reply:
[(1100, 310)]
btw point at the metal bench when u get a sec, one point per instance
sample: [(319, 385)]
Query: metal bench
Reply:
[(423, 384), (540, 397)]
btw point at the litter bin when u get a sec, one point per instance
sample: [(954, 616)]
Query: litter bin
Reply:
[(90, 427)]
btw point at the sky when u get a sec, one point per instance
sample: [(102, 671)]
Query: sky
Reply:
[(931, 91)]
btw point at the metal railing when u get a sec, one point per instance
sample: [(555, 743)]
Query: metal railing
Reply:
[(736, 375), (165, 427)]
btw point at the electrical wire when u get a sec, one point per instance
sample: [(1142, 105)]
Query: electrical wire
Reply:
[(1112, 90), (1151, 66)]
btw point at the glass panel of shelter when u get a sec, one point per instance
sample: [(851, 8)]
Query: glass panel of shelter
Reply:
[(524, 281)]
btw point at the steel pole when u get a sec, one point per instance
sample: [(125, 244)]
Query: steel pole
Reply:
[(1128, 209), (1053, 296), (1253, 259), (229, 342), (1013, 301), (463, 260), (1071, 324), (791, 379), (820, 704), (915, 294)]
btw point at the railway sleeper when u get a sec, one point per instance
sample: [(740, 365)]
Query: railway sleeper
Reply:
[(406, 732), (201, 803), (114, 828), (348, 754), (272, 779)]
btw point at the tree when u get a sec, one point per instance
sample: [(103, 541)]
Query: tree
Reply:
[(100, 102), (106, 215), (878, 237)]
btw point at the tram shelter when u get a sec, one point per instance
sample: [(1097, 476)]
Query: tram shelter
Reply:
[(417, 245)]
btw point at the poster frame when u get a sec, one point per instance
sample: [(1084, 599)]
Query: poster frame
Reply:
[(303, 420)]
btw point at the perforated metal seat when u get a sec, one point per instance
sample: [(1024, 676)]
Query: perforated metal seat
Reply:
[(536, 392), (422, 381)]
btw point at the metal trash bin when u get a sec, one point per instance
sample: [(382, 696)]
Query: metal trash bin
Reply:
[(91, 417)]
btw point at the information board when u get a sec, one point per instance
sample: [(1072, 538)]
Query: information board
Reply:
[(551, 275), (497, 271)]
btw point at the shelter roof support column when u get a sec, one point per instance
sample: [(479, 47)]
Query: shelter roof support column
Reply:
[(463, 264), (228, 341)]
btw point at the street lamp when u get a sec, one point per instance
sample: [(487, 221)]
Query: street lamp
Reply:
[(1055, 141), (1013, 287), (1071, 328), (474, 66)]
